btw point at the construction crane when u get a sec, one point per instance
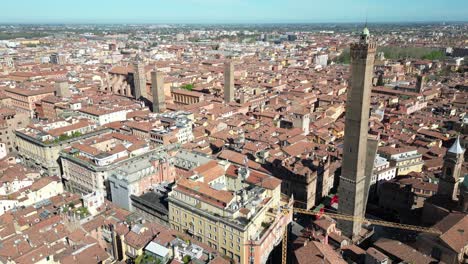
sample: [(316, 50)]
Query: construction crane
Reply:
[(284, 247)]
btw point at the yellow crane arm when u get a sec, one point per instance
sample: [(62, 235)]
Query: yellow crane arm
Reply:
[(284, 247), (372, 221), (351, 218)]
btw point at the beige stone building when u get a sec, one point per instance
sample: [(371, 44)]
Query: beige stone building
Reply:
[(406, 160), (233, 210), (24, 100), (185, 97), (10, 120), (41, 150)]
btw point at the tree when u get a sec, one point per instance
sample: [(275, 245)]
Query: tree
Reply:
[(83, 212), (147, 259), (66, 137), (139, 259), (186, 259), (188, 87), (434, 55)]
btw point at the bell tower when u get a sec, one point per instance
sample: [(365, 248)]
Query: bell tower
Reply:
[(451, 171)]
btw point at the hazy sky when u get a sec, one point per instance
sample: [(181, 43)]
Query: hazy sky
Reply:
[(230, 11)]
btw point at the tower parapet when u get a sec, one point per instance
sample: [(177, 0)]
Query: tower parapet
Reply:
[(370, 47)]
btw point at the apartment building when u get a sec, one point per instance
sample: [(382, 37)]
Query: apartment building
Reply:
[(104, 115), (235, 210), (88, 164), (10, 120), (24, 99), (383, 172), (39, 144), (405, 160), (20, 186), (176, 127), (142, 176)]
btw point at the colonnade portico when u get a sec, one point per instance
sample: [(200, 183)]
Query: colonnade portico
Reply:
[(185, 99)]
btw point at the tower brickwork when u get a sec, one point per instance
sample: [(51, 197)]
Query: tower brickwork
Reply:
[(157, 87), (139, 80), (228, 82), (420, 80), (352, 187)]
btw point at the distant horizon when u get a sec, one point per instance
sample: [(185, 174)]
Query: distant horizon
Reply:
[(237, 23), (232, 11)]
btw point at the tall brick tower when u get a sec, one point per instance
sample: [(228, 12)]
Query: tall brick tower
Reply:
[(228, 82), (157, 88), (359, 150), (139, 79)]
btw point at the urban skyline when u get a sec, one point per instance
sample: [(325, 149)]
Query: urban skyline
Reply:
[(208, 138)]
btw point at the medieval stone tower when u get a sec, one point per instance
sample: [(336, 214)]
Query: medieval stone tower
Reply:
[(228, 82), (358, 153), (451, 171), (139, 79), (157, 88)]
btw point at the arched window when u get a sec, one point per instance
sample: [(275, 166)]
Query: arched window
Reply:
[(448, 172)]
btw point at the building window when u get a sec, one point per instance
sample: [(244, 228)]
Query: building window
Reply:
[(448, 172)]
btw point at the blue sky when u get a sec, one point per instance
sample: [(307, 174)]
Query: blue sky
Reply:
[(230, 11)]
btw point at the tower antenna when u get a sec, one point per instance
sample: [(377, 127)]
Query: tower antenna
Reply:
[(367, 12)]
